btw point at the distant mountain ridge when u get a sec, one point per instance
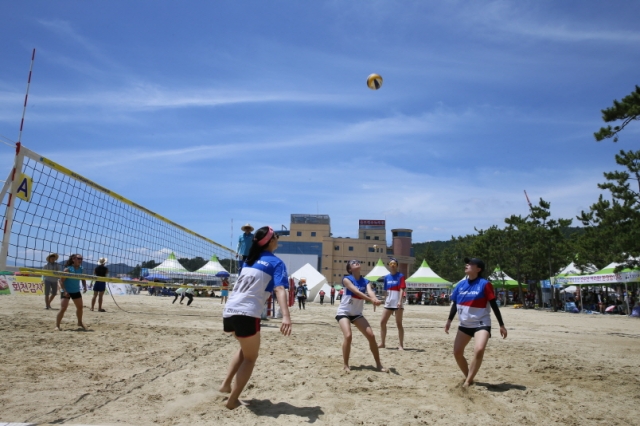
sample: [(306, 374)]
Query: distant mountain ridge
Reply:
[(115, 269)]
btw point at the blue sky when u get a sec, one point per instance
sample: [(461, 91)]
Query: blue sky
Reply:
[(251, 110)]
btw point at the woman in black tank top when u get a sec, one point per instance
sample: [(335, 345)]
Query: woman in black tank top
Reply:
[(99, 286)]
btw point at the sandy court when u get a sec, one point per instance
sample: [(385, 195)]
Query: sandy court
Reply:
[(162, 364)]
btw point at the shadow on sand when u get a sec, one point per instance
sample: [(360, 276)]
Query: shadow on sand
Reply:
[(406, 349), (372, 368), (264, 407), (501, 387)]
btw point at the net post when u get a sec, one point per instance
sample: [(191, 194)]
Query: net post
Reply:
[(6, 186), (8, 223)]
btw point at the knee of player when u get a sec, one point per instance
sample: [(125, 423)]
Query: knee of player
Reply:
[(348, 338), (250, 359), (369, 334)]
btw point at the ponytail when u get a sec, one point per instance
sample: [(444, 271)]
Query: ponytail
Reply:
[(256, 248)]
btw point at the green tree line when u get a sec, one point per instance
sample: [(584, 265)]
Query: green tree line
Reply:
[(190, 264)]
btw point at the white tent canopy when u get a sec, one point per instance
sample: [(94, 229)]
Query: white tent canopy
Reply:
[(378, 271), (424, 277), (573, 269), (315, 281)]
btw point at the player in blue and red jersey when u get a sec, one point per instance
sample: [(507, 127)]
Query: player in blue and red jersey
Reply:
[(357, 290), (395, 286), (471, 300)]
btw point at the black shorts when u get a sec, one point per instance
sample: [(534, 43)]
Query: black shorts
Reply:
[(99, 286), (66, 295), (352, 318), (472, 331), (241, 325), (391, 309)]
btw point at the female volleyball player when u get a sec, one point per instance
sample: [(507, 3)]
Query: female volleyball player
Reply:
[(99, 286), (262, 274), (471, 299), (224, 292), (70, 290), (395, 286), (357, 290)]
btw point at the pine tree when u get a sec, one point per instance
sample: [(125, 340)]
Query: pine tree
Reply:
[(627, 111)]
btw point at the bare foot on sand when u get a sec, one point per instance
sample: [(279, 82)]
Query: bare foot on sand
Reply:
[(82, 326), (467, 384), (381, 369), (400, 348), (57, 328), (381, 345), (225, 389), (233, 405), (347, 369)]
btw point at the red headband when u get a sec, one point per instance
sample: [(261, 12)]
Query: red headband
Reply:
[(266, 238)]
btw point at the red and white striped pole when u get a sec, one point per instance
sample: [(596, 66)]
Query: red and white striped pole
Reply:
[(26, 96), (8, 223)]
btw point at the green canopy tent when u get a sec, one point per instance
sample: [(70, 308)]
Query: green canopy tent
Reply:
[(500, 279), (212, 267), (378, 271), (425, 278), (171, 268)]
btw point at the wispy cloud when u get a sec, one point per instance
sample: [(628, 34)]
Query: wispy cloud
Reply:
[(522, 19), (65, 31), (372, 131), (151, 97)]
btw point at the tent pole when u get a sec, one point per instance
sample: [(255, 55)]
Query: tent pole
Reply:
[(627, 298)]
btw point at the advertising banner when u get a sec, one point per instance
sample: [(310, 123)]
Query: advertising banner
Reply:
[(32, 286), (24, 286), (427, 285)]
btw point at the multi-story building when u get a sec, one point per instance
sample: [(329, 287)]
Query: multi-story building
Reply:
[(310, 234)]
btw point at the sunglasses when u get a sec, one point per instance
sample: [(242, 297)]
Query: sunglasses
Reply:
[(354, 262)]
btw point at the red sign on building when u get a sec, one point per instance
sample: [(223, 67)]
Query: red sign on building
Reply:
[(366, 222)]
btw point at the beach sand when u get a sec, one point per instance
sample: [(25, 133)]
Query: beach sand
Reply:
[(162, 363)]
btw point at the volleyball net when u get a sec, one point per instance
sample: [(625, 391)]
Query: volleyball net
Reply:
[(49, 209)]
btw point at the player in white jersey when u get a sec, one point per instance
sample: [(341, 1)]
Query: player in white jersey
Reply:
[(262, 273), (395, 286), (357, 290)]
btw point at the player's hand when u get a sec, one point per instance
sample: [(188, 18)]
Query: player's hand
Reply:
[(503, 331), (447, 326), (376, 302), (285, 327)]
